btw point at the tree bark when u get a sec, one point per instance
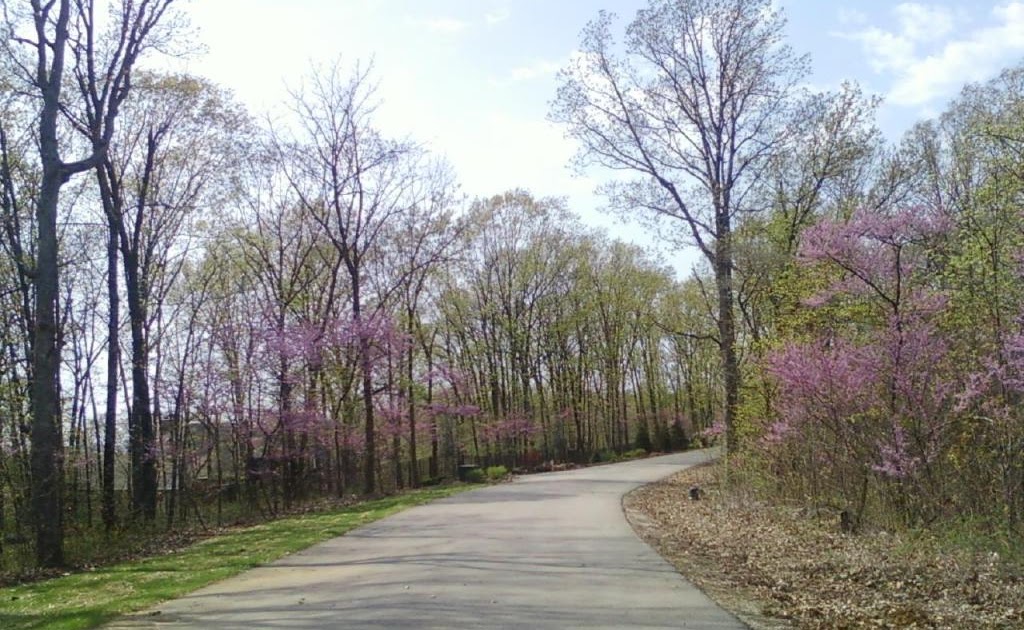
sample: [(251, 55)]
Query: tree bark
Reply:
[(109, 501), (113, 357), (46, 454), (414, 468), (141, 433), (727, 327), (46, 457)]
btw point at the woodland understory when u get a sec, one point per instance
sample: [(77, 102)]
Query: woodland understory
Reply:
[(780, 566), (207, 319)]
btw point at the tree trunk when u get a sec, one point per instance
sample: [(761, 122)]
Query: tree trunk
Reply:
[(434, 467), (46, 456), (414, 468), (140, 430), (46, 464), (366, 366), (727, 326), (113, 358)]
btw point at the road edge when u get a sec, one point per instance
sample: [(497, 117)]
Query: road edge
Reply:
[(739, 603)]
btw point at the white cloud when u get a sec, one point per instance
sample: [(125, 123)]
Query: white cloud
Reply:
[(929, 60), (923, 23), (445, 25), (852, 16), (499, 151), (886, 51), (498, 15), (495, 151), (537, 69)]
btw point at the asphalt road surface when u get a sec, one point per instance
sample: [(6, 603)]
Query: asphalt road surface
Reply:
[(545, 551)]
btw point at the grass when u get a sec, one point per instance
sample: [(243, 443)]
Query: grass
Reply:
[(973, 536), (609, 456), (88, 599)]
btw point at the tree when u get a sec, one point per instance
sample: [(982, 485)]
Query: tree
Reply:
[(423, 240), (285, 258), (869, 396), (643, 438), (696, 109), (174, 144), (354, 182), (18, 176), (52, 30)]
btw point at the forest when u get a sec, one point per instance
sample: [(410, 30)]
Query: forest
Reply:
[(208, 318)]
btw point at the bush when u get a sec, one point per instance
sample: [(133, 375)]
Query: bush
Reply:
[(635, 453), (475, 476), (677, 437), (605, 456), (662, 441), (643, 437), (495, 473)]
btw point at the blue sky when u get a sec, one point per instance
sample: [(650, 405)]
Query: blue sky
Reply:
[(473, 78)]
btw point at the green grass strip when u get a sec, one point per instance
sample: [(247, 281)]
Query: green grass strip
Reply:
[(86, 600)]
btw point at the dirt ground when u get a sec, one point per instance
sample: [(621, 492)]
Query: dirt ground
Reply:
[(782, 568)]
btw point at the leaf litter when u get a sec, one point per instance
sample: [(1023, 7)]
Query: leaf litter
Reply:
[(783, 567)]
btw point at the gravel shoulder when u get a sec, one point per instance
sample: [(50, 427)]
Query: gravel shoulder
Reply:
[(778, 567)]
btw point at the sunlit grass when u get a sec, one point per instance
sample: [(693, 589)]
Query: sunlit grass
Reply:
[(86, 600)]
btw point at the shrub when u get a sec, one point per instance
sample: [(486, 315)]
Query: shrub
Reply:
[(677, 437), (475, 476), (495, 473), (643, 437), (605, 456), (635, 453), (662, 441)]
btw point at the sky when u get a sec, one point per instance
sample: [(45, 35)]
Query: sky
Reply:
[(473, 79)]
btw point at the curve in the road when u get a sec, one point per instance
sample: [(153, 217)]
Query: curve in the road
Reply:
[(545, 551)]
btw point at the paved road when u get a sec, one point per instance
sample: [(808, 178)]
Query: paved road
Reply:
[(546, 551)]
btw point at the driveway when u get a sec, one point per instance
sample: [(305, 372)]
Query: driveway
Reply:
[(545, 551)]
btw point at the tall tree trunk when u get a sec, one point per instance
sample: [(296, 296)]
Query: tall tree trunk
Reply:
[(414, 468), (290, 460), (46, 456), (369, 434), (435, 446), (113, 358), (727, 326), (140, 432), (396, 439), (366, 366), (46, 464)]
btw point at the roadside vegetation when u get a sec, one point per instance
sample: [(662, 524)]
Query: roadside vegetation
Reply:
[(781, 566), (94, 595)]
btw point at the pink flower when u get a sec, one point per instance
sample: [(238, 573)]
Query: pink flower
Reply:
[(896, 461), (715, 430)]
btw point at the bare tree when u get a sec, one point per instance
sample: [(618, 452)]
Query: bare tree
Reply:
[(159, 169), (696, 108), (51, 30), (280, 249), (354, 182), (425, 239)]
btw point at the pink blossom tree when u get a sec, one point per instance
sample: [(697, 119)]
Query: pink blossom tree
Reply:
[(867, 400)]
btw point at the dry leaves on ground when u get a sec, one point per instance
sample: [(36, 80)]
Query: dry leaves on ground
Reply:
[(779, 567)]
